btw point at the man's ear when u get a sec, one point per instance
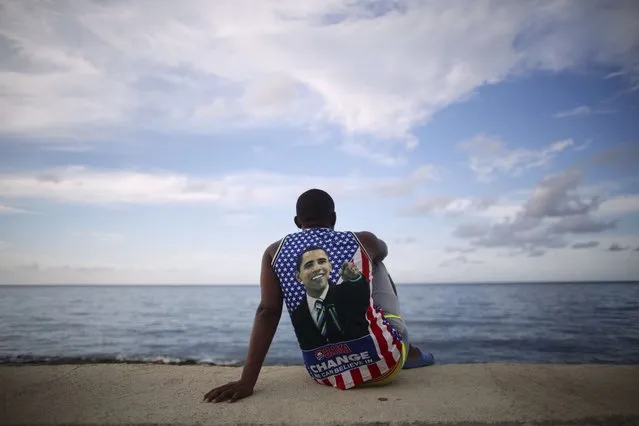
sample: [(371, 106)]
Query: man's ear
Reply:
[(297, 222), (297, 275), (333, 218)]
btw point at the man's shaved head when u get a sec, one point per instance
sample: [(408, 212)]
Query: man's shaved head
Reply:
[(315, 208)]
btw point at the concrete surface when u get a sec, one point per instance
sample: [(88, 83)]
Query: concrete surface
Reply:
[(475, 394)]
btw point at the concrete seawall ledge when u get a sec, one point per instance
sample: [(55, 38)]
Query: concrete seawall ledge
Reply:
[(469, 394)]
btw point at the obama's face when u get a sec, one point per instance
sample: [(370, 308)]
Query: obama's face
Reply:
[(314, 270)]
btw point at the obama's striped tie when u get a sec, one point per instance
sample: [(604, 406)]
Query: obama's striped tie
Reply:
[(321, 316)]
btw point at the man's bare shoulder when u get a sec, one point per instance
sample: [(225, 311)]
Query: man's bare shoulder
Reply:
[(375, 247), (272, 249), (365, 235), (367, 238)]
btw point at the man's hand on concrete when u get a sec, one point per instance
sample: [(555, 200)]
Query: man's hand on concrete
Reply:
[(231, 391)]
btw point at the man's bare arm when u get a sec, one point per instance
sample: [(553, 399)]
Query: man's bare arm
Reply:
[(267, 318), (375, 247), (265, 324)]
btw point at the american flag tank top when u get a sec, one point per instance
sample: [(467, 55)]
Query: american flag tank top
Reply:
[(326, 276)]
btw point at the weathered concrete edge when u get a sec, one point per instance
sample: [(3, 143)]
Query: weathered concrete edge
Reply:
[(585, 421)]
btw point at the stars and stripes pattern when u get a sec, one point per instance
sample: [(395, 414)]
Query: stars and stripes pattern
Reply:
[(341, 247)]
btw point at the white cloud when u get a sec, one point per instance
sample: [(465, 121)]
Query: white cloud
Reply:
[(501, 211), (82, 185), (373, 152), (97, 274), (407, 184), (4, 209), (449, 205), (582, 110), (554, 210), (622, 204), (270, 96), (4, 245), (490, 156), (72, 147), (203, 66), (630, 73)]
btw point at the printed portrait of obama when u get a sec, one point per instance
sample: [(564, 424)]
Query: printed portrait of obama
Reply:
[(329, 313)]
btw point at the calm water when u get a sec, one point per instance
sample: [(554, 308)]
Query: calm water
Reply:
[(519, 323)]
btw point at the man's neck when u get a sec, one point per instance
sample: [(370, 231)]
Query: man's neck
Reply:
[(304, 227), (317, 293)]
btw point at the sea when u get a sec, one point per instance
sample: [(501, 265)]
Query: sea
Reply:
[(590, 323)]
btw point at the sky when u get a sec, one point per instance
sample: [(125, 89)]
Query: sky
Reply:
[(165, 142)]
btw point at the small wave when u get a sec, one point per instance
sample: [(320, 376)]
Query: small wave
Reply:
[(118, 359)]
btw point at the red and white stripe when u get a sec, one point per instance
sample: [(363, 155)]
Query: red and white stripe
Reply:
[(388, 348)]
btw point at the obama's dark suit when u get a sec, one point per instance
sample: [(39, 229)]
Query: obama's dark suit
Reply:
[(350, 300)]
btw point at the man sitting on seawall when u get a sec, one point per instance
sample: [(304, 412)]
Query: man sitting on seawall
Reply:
[(346, 318)]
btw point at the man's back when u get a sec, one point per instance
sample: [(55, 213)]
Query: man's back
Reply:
[(346, 341)]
